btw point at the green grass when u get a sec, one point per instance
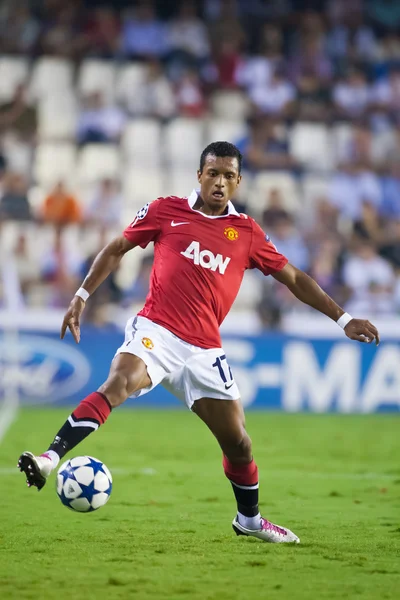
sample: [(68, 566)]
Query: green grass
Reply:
[(335, 480)]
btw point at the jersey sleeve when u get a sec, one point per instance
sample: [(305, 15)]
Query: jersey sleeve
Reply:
[(263, 254), (145, 227)]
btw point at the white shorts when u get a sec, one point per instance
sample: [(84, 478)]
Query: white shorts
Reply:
[(187, 371)]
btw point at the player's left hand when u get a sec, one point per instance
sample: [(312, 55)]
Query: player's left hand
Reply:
[(362, 331)]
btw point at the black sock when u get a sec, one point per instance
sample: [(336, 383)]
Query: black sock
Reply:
[(86, 418)]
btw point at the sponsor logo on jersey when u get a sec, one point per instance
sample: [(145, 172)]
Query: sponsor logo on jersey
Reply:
[(147, 343), (231, 233), (140, 214), (206, 259)]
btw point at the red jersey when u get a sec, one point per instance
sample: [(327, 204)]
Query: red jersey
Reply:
[(199, 262)]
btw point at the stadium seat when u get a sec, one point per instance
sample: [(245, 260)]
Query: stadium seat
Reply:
[(180, 182), (266, 181), (128, 79), (57, 116), (310, 144), (227, 130), (183, 142), (13, 71), (51, 77), (141, 142), (98, 161), (229, 105), (54, 162), (140, 186), (97, 76)]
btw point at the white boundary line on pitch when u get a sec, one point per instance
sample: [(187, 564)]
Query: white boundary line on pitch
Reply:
[(8, 414), (314, 475)]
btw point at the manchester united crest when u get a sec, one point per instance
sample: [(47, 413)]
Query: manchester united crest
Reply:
[(147, 343), (231, 233)]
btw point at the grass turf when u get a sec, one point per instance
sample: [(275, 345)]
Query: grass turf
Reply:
[(166, 531)]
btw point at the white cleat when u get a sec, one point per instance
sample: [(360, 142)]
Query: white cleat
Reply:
[(268, 532), (36, 468)]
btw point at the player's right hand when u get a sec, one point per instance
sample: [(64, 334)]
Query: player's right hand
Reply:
[(72, 319)]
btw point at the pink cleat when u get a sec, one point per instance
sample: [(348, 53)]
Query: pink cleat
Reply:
[(268, 532)]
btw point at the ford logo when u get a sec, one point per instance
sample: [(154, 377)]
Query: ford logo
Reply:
[(41, 370)]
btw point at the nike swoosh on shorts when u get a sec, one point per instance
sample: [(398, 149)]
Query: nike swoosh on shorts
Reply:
[(229, 386)]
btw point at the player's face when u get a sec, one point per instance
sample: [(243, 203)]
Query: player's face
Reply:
[(218, 181)]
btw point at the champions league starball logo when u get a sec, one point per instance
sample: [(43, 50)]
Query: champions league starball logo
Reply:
[(140, 214)]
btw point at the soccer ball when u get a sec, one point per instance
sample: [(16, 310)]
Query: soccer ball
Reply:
[(84, 483)]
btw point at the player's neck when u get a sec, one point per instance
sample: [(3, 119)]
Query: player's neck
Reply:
[(201, 206)]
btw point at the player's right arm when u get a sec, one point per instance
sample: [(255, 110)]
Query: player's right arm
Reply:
[(105, 262), (144, 229)]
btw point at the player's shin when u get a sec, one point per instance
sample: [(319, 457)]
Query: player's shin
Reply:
[(244, 480), (92, 412)]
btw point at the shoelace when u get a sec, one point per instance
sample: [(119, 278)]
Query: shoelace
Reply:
[(268, 526)]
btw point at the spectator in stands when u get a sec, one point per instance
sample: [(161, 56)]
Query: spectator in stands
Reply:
[(187, 39), (325, 265), (102, 32), (388, 49), (222, 72), (390, 247), (143, 35), (98, 122), (155, 97), (351, 37), (390, 207), (27, 267), (19, 29), (61, 207), (14, 203), (313, 102), (62, 32), (265, 147), (275, 97), (19, 116), (287, 239), (256, 71), (274, 211), (105, 206), (352, 95), (386, 93), (359, 148), (189, 95), (60, 269), (350, 187), (370, 280), (310, 58)]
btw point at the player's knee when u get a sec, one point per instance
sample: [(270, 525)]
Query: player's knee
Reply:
[(238, 449), (117, 388)]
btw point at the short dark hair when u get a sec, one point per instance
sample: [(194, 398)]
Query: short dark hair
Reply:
[(221, 149)]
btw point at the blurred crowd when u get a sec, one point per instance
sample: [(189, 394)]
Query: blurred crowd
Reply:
[(332, 63)]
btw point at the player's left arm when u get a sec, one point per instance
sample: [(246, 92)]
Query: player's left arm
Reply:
[(308, 291)]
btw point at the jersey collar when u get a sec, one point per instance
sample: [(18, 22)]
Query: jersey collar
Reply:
[(192, 201)]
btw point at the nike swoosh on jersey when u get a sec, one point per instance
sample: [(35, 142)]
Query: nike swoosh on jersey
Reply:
[(173, 224), (229, 386)]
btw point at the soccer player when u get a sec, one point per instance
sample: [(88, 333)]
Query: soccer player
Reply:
[(202, 248)]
